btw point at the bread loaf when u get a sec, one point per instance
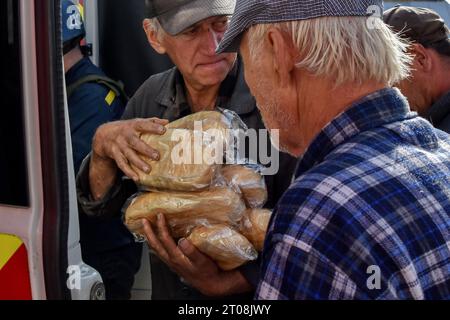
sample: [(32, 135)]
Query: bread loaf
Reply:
[(184, 211), (250, 183), (183, 165), (208, 119), (254, 226), (224, 245)]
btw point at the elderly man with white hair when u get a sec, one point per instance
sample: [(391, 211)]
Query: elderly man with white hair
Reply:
[(368, 214)]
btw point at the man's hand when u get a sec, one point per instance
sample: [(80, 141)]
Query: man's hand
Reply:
[(118, 145), (193, 266)]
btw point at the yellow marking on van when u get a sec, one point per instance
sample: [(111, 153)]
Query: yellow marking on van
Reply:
[(9, 244)]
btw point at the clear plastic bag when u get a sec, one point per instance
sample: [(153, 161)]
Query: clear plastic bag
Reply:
[(247, 180), (228, 248), (184, 211), (192, 150), (202, 200), (135, 226), (254, 226)]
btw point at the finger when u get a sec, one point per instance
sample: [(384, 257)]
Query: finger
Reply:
[(193, 254), (175, 254), (124, 166), (136, 161), (153, 241), (130, 159), (149, 126), (141, 147), (162, 122)]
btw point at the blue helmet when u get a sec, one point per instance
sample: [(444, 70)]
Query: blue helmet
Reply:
[(72, 21)]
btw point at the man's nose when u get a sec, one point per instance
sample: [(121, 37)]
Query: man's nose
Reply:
[(212, 40)]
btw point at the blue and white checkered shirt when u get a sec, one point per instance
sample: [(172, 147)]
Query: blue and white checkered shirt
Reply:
[(368, 214)]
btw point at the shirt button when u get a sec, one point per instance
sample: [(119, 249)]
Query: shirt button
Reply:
[(186, 292)]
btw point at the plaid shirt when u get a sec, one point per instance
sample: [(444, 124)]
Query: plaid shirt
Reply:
[(368, 214)]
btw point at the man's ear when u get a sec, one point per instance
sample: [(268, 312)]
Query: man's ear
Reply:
[(422, 58), (283, 58), (152, 37)]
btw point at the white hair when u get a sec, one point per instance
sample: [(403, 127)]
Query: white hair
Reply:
[(156, 27), (346, 49)]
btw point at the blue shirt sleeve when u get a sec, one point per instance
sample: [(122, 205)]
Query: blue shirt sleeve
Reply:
[(298, 255), (292, 271), (88, 110)]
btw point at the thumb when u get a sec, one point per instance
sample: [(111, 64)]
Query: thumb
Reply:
[(190, 251)]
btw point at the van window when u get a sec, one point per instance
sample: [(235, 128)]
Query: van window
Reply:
[(13, 172)]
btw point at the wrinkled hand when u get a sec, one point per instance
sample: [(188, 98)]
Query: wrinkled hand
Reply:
[(197, 269), (120, 141)]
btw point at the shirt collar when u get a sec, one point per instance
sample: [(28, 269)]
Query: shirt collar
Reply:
[(439, 110), (377, 109), (234, 93), (77, 69)]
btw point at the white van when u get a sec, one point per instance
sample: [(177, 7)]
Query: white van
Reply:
[(40, 256)]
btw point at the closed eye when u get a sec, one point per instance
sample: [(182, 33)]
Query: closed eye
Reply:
[(190, 31)]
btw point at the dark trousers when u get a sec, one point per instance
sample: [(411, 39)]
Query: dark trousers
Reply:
[(117, 268)]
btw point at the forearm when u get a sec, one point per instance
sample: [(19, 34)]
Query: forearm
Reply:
[(102, 176), (101, 188), (112, 201)]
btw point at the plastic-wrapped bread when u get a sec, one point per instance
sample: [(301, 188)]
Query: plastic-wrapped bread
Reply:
[(182, 165), (254, 226), (224, 245), (208, 119), (167, 174), (250, 183), (184, 211)]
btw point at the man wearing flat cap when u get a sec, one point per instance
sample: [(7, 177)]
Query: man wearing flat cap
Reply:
[(367, 216), (428, 87), (188, 31)]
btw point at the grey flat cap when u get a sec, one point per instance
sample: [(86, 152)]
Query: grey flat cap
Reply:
[(178, 15), (419, 24), (251, 12)]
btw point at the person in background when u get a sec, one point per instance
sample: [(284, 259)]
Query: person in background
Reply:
[(368, 214), (188, 32), (428, 87), (94, 99)]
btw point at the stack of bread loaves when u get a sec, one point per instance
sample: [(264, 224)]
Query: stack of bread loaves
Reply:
[(217, 207)]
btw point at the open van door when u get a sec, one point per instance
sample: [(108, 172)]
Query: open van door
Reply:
[(40, 255)]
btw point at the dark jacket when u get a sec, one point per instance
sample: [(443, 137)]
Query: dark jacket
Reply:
[(439, 113), (163, 96), (106, 245), (88, 109)]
